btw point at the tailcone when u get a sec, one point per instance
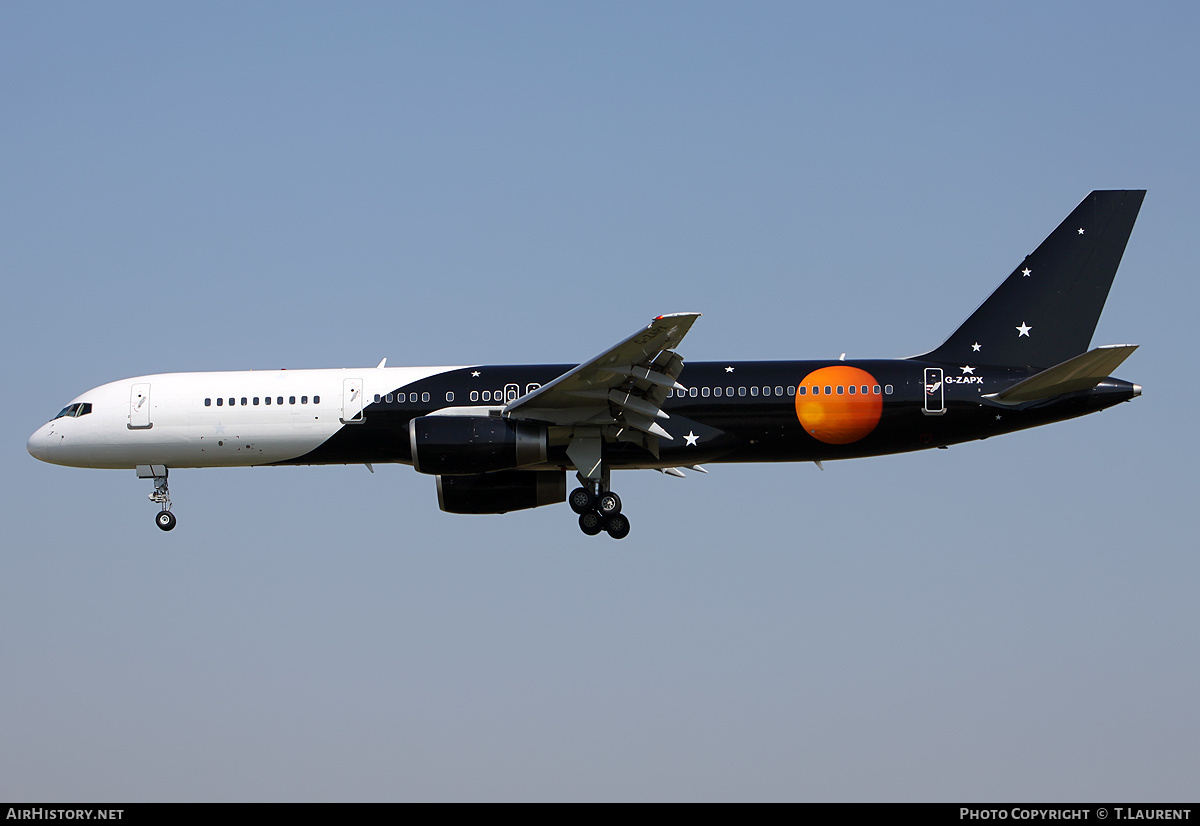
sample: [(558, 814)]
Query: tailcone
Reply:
[(1114, 391)]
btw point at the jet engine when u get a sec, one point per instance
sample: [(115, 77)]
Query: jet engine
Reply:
[(501, 492), (454, 445)]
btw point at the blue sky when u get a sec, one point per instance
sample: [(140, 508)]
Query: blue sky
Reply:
[(309, 185)]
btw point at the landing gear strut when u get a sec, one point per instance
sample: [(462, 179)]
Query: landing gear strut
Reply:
[(161, 495)]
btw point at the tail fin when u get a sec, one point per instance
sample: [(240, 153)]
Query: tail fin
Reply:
[(1046, 311)]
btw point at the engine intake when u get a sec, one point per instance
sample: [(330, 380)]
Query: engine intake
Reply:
[(453, 445)]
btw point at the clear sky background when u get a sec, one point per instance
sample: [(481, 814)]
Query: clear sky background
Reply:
[(230, 186)]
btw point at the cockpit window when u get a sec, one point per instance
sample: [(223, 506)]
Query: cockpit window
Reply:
[(72, 411)]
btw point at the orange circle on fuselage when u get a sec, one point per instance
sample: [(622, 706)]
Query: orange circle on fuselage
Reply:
[(839, 417)]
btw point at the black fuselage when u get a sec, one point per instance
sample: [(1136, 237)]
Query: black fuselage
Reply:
[(745, 414)]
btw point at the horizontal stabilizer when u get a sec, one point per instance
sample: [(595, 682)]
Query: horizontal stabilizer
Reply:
[(1080, 373)]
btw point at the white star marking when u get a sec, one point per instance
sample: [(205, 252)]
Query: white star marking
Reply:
[(1025, 272), (219, 428), (474, 374), (1023, 330), (691, 438), (728, 369), (997, 417), (1081, 230), (975, 347), (968, 369)]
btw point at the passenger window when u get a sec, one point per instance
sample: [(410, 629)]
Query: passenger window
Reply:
[(778, 391), (803, 390), (693, 392), (412, 397), (255, 401), (291, 399), (267, 400), (728, 391), (841, 390), (231, 402), (717, 392), (704, 392), (474, 395), (449, 395), (875, 390), (208, 402), (316, 399), (753, 391), (487, 395), (828, 390), (377, 398), (424, 397), (390, 397), (304, 400), (887, 390), (529, 388), (279, 400), (792, 390)]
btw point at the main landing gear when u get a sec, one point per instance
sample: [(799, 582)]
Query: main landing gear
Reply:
[(599, 511), (598, 507), (161, 495)]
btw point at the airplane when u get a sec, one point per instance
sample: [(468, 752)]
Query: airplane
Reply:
[(499, 438)]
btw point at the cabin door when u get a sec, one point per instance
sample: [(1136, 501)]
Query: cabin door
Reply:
[(139, 406), (935, 400), (352, 401)]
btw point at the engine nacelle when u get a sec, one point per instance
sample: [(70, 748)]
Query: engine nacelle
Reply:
[(501, 492), (452, 445)]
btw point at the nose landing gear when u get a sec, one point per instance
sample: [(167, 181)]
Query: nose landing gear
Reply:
[(161, 495)]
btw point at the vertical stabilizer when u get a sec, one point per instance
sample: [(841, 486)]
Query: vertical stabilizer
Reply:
[(1046, 311)]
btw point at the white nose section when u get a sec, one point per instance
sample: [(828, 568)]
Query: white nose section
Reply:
[(39, 444)]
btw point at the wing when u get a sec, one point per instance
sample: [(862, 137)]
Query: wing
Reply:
[(619, 390)]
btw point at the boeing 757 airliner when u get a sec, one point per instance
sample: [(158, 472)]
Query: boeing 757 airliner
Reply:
[(501, 437)]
